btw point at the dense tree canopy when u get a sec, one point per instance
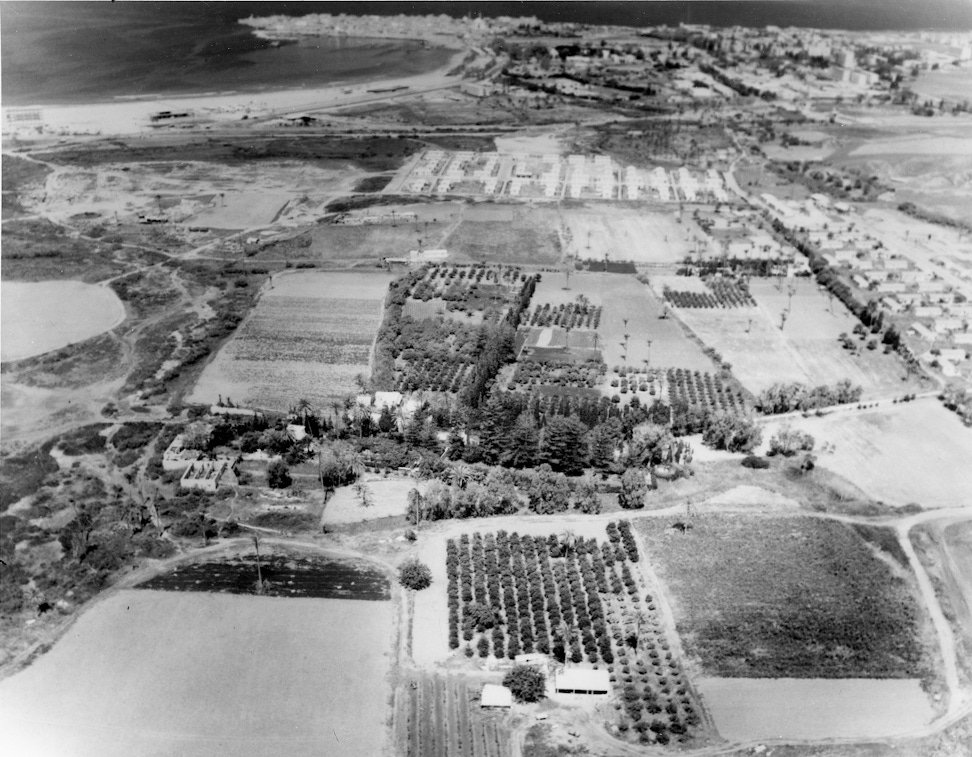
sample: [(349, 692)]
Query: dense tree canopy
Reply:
[(527, 683)]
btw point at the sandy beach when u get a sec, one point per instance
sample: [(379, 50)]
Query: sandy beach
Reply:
[(133, 115)]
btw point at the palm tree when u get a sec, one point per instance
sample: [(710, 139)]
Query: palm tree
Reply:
[(460, 473), (302, 409), (568, 540)]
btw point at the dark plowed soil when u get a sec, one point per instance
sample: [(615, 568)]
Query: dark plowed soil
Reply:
[(282, 577)]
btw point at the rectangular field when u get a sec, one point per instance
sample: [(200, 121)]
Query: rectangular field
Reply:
[(806, 349), (625, 298), (440, 716), (910, 452), (754, 709), (373, 241), (148, 673), (628, 234), (310, 336), (792, 597), (532, 237)]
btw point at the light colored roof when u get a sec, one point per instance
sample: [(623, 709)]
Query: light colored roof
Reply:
[(584, 679), (496, 696)]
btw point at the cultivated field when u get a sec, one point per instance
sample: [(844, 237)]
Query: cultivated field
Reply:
[(38, 317), (787, 708), (628, 234), (530, 237), (910, 452), (805, 350), (789, 597), (440, 716), (310, 336), (147, 673), (624, 297)]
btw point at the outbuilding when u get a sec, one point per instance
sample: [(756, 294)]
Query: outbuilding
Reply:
[(495, 695), (582, 681)]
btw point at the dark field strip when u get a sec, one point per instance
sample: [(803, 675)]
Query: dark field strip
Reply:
[(282, 577)]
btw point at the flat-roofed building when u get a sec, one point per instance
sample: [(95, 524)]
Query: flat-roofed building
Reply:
[(582, 681)]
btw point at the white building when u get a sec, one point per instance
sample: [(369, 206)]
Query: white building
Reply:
[(582, 681)]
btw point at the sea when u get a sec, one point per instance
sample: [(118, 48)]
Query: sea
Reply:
[(82, 52)]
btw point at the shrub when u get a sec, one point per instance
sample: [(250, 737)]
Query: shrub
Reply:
[(633, 489), (415, 575), (755, 461), (278, 475), (526, 682)]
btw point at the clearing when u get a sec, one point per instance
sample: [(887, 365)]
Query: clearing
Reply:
[(899, 454), (796, 597), (148, 673), (520, 234), (788, 708), (806, 350), (41, 316), (310, 335), (389, 499), (628, 234)]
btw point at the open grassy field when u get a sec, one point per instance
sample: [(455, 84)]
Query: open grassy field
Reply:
[(627, 234), (910, 452), (147, 673), (310, 336), (624, 297), (805, 350), (531, 237), (33, 324), (749, 710), (389, 498), (787, 597), (373, 241)]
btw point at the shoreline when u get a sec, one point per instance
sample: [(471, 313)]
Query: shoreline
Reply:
[(130, 114)]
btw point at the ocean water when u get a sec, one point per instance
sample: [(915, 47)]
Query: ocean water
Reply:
[(76, 52), (82, 52)]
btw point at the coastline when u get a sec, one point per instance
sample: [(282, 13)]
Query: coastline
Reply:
[(130, 114)]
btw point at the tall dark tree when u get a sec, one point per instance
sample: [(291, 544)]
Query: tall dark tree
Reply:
[(563, 445), (524, 443)]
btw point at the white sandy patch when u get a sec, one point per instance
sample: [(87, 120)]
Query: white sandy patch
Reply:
[(534, 144), (37, 317), (150, 673), (746, 709), (923, 145), (753, 497)]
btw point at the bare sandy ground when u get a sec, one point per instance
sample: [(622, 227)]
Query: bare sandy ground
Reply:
[(627, 234), (910, 452), (746, 709), (38, 317), (151, 673)]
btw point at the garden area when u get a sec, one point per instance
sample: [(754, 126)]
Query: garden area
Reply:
[(578, 600), (789, 597), (722, 294)]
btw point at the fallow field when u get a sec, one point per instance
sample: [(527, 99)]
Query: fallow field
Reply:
[(310, 336), (519, 235), (899, 454), (627, 234), (789, 597), (806, 349), (147, 673)]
